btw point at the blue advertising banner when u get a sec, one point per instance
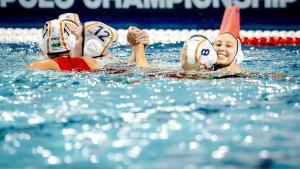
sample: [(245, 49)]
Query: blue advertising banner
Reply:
[(203, 13)]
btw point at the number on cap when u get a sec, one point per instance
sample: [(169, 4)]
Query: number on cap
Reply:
[(102, 34), (205, 52)]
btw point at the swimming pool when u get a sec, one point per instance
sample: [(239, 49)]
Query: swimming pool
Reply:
[(51, 119)]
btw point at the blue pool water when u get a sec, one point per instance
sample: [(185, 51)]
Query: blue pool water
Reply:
[(51, 119)]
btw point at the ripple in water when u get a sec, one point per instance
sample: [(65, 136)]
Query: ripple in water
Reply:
[(92, 120)]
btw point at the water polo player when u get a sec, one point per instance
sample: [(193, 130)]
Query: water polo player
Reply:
[(223, 55), (229, 53), (72, 23), (99, 37), (91, 40), (58, 42)]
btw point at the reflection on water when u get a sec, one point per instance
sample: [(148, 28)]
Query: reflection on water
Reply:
[(99, 120)]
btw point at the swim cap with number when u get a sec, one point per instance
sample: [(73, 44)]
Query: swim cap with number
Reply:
[(98, 37), (57, 37), (200, 50)]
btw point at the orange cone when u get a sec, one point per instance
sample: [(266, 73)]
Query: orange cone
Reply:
[(231, 21)]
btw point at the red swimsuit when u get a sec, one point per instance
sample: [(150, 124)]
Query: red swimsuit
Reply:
[(79, 64), (63, 63), (69, 64)]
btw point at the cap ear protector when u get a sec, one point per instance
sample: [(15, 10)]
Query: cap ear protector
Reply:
[(200, 50), (98, 37), (57, 37), (239, 55)]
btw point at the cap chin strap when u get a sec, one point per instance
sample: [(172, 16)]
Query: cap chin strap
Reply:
[(83, 39), (100, 56)]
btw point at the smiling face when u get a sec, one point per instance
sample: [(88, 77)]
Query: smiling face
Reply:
[(226, 48)]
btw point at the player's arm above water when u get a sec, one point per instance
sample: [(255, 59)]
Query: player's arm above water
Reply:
[(77, 32), (185, 65), (99, 37), (138, 39), (73, 25)]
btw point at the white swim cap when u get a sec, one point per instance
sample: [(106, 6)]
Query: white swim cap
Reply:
[(72, 17), (57, 37), (199, 49), (72, 21), (98, 37), (239, 57)]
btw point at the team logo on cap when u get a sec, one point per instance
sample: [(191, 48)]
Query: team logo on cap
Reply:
[(56, 45)]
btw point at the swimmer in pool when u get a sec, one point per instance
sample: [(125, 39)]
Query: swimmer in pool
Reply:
[(95, 38), (229, 53), (138, 39), (226, 51), (93, 42), (99, 37), (58, 42), (223, 56), (73, 25)]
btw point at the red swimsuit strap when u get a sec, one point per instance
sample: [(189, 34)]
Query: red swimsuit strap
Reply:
[(63, 63)]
